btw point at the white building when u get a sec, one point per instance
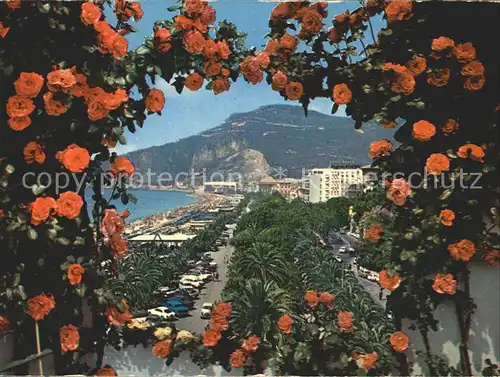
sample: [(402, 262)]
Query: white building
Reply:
[(334, 182), (221, 187)]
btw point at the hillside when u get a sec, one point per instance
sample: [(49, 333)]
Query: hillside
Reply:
[(271, 136)]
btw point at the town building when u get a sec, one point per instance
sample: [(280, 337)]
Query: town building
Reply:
[(289, 188), (268, 185), (221, 187), (333, 182)]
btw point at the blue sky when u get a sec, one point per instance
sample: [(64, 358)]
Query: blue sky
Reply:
[(192, 112)]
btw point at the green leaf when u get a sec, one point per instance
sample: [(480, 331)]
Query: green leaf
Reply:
[(43, 7), (385, 32), (122, 139), (331, 340), (93, 129), (446, 194), (79, 241), (142, 50), (124, 198), (118, 131), (420, 105), (132, 198), (80, 291), (32, 234), (405, 255), (37, 189), (451, 154), (174, 8), (335, 107), (51, 233), (63, 241), (130, 78), (120, 81), (9, 169)]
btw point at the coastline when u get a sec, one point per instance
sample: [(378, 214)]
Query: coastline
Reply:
[(165, 221)]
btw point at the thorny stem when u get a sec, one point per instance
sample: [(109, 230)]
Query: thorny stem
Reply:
[(424, 332), (371, 31), (365, 50), (369, 22), (464, 316)]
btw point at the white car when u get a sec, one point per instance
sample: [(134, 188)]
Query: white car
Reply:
[(206, 310), (167, 291), (373, 276), (205, 277), (343, 250), (337, 258), (185, 286), (191, 277), (190, 283), (162, 312)]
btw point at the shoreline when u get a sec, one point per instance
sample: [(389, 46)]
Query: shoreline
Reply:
[(165, 220)]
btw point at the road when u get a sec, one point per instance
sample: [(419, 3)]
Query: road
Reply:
[(371, 287), (211, 293)]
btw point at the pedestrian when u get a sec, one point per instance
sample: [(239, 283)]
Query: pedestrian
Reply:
[(216, 276)]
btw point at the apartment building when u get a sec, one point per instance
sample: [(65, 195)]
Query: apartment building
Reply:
[(334, 182)]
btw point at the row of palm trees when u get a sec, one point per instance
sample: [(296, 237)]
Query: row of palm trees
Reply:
[(151, 266), (279, 256)]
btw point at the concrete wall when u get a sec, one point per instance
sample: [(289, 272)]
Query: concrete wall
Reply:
[(484, 339)]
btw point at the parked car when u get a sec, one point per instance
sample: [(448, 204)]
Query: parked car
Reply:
[(373, 276), (190, 284), (192, 280), (193, 293), (190, 277), (185, 299), (343, 250), (178, 308), (205, 277), (162, 312), (337, 258), (167, 291), (206, 310), (352, 251), (179, 301)]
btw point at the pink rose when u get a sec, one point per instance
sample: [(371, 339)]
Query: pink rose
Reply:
[(398, 191)]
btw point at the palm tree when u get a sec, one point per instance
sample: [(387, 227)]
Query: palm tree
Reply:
[(248, 236), (139, 276), (263, 262), (257, 307)]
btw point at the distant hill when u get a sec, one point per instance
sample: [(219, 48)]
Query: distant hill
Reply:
[(253, 143)]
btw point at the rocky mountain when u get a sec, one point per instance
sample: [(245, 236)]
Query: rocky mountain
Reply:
[(260, 141)]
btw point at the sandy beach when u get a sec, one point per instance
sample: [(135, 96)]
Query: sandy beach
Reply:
[(165, 221)]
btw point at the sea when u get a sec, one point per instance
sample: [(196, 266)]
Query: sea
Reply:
[(149, 202)]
